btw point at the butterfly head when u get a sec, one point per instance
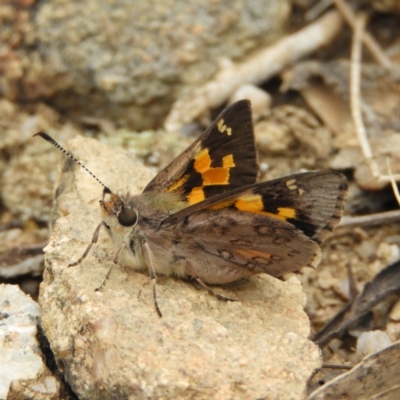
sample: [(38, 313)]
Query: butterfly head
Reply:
[(116, 212)]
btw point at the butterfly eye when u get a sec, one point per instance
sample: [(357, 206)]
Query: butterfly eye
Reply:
[(127, 217)]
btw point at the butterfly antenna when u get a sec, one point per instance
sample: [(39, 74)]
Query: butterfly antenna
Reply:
[(49, 139)]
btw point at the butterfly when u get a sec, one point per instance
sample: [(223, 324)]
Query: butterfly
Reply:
[(204, 216)]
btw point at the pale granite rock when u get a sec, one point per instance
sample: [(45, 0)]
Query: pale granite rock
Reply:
[(23, 373), (112, 344), (372, 342)]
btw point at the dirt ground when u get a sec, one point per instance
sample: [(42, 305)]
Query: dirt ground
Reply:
[(305, 119)]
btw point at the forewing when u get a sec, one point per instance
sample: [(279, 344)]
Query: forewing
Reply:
[(312, 203), (221, 159)]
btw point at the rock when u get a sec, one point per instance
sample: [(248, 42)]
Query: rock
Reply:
[(128, 60), (23, 373), (372, 342), (112, 344)]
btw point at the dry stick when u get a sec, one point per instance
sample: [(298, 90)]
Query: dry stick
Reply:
[(255, 69), (372, 219), (337, 366), (372, 45), (355, 101), (331, 366), (393, 182)]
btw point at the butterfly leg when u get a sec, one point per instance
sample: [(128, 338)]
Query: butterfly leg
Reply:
[(112, 266), (210, 291), (149, 259), (94, 240)]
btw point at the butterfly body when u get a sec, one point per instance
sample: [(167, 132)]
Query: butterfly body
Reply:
[(151, 210)]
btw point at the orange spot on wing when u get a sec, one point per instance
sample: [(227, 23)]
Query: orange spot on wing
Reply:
[(216, 176), (228, 162), (251, 203), (287, 212), (202, 161), (254, 204), (196, 195), (210, 176)]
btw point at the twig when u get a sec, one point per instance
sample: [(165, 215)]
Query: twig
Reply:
[(337, 366), (372, 219), (256, 69), (352, 282), (369, 41), (355, 101), (393, 182)]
